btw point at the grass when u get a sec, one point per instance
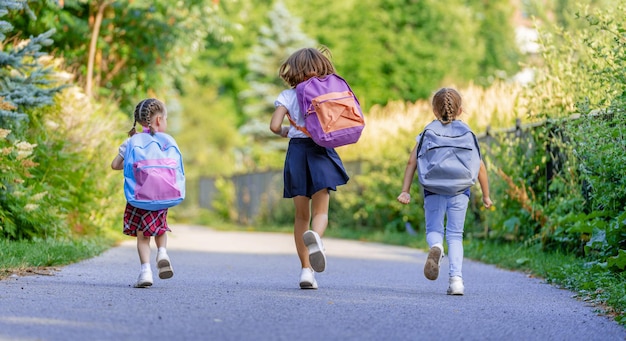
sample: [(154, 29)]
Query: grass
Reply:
[(44, 255)]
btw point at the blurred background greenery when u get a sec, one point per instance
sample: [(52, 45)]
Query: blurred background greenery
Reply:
[(72, 71)]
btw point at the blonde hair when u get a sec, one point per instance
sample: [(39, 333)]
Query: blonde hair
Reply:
[(447, 104), (306, 63), (145, 111)]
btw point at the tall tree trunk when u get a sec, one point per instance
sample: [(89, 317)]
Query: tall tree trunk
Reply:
[(93, 45)]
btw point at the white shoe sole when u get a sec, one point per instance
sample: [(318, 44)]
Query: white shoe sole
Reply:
[(165, 269), (317, 258)]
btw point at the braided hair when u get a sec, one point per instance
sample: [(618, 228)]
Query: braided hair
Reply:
[(446, 104), (145, 111)]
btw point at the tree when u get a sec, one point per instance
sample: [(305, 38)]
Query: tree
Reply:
[(398, 49), (501, 54), (275, 43), (24, 82), (124, 50)]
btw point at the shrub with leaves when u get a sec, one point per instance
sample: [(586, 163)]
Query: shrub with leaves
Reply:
[(25, 210), (582, 95)]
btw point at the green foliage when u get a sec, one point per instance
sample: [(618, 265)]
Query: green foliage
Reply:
[(564, 189), (388, 50), (50, 187), (26, 206), (24, 82), (142, 47), (408, 48), (278, 38), (368, 202)]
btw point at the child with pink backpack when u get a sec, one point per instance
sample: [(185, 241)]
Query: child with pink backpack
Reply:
[(311, 171), (154, 180)]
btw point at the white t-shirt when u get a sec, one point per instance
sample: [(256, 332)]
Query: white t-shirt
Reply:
[(289, 100)]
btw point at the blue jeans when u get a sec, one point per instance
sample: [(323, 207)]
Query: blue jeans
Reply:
[(452, 208)]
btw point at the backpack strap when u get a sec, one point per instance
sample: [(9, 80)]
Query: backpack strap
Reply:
[(419, 145), (480, 156), (293, 123)]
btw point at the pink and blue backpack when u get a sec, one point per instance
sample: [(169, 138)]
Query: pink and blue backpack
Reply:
[(332, 113), (154, 177)]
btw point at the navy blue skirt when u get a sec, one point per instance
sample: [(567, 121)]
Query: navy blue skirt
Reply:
[(310, 168)]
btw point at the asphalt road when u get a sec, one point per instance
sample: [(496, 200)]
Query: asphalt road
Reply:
[(244, 286)]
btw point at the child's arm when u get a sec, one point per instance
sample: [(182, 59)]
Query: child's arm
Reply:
[(409, 173), (484, 184), (118, 161), (276, 125)]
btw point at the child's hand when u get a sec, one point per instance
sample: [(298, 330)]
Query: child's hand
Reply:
[(284, 131), (404, 198), (487, 202)]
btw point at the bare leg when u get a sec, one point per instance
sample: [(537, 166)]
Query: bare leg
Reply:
[(143, 248), (320, 203), (301, 225), (161, 241)]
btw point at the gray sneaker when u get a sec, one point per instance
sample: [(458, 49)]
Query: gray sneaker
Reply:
[(317, 258), (456, 286), (433, 262)]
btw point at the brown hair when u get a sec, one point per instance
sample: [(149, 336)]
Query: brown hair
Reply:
[(446, 104), (145, 112), (306, 63)]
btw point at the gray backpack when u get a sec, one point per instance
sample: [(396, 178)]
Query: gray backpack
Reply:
[(448, 158)]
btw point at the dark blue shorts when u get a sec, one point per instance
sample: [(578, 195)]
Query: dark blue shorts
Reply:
[(310, 168)]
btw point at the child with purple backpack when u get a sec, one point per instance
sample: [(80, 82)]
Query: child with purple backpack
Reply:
[(311, 171)]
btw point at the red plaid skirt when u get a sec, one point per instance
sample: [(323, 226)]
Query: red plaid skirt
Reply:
[(150, 223)]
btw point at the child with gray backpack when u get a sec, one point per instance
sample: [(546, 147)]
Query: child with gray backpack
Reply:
[(448, 161)]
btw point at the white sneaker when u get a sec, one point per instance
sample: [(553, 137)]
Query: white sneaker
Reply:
[(433, 262), (144, 280), (456, 286), (317, 258), (307, 279), (164, 265)]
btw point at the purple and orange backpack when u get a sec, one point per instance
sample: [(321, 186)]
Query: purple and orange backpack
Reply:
[(332, 113)]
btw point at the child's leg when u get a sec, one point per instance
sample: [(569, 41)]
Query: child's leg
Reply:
[(434, 213), (143, 248), (301, 225), (457, 207), (320, 202), (312, 239), (161, 241)]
